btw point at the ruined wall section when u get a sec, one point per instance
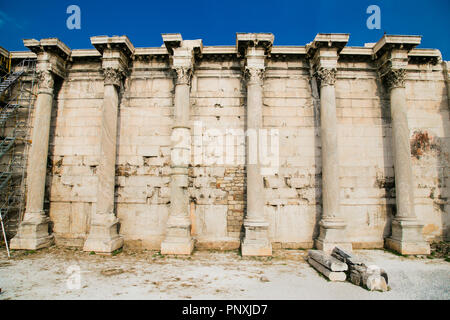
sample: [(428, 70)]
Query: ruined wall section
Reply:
[(217, 180), (217, 188), (74, 152), (143, 163), (429, 121), (365, 153), (292, 196)]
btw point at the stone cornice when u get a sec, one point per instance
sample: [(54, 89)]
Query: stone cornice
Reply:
[(373, 52), (327, 40), (51, 45), (119, 43), (171, 40), (51, 54), (390, 42), (246, 40), (422, 55)]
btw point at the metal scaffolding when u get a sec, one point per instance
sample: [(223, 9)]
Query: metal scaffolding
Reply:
[(16, 103)]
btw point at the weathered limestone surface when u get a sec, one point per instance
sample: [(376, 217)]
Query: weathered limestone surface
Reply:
[(327, 261), (371, 277), (325, 50), (178, 235), (342, 172), (332, 275), (406, 236), (103, 234), (255, 47), (33, 231)]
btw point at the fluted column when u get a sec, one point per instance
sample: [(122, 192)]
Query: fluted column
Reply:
[(406, 237), (33, 231), (103, 234), (256, 240), (324, 54), (178, 239)]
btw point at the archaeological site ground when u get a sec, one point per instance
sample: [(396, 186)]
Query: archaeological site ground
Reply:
[(224, 165)]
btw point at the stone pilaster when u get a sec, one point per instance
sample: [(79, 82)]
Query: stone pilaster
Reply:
[(324, 54), (103, 234), (178, 239), (406, 237), (33, 231), (255, 47)]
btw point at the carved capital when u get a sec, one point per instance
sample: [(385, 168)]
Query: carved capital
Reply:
[(46, 81), (113, 76), (184, 75), (394, 78), (254, 75), (326, 76)]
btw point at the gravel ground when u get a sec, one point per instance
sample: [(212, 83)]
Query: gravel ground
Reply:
[(53, 274)]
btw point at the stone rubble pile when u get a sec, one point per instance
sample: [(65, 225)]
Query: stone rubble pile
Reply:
[(341, 265)]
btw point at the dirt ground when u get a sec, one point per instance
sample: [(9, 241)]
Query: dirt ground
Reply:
[(63, 273)]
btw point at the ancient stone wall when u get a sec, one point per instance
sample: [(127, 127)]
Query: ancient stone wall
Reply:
[(217, 190)]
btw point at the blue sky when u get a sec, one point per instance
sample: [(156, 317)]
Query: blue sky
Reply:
[(216, 22)]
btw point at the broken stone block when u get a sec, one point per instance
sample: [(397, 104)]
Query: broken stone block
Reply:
[(375, 282), (371, 277), (332, 275), (327, 261)]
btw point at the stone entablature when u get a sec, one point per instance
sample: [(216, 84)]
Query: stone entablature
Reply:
[(336, 172)]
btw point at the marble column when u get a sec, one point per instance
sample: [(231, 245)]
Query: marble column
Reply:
[(406, 237), (256, 241), (33, 231), (332, 225), (103, 235), (323, 53), (178, 239)]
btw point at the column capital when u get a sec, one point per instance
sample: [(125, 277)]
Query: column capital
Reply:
[(391, 55), (323, 53), (184, 75), (254, 75), (46, 81), (52, 56), (182, 55), (117, 52), (326, 76), (254, 47), (113, 76)]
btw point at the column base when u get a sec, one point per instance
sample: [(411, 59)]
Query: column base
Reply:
[(103, 238), (407, 237), (329, 246), (177, 248), (178, 239), (332, 234), (256, 241), (33, 233)]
